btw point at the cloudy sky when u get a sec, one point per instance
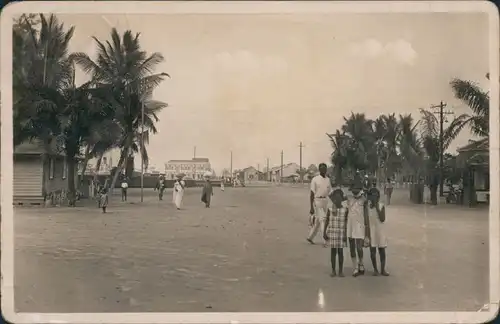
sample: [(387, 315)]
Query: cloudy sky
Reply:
[(259, 84)]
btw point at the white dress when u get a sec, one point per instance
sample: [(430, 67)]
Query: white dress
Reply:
[(179, 193), (355, 218), (377, 230)]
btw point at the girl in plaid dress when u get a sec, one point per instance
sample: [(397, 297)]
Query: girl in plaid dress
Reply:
[(335, 233)]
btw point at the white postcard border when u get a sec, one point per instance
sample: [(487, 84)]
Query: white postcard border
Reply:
[(228, 7)]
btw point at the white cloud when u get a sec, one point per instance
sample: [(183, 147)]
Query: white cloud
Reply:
[(399, 50)]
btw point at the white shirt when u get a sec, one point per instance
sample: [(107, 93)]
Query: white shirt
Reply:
[(321, 187)]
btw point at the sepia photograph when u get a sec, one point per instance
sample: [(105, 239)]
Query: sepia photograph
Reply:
[(312, 158)]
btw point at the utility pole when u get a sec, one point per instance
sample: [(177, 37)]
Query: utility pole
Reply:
[(231, 165), (281, 172), (268, 172), (442, 118), (142, 159), (194, 153), (300, 163)]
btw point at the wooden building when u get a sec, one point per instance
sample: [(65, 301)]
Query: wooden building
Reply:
[(473, 158), (35, 178)]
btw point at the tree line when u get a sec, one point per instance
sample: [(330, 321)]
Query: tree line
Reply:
[(402, 144), (83, 121)]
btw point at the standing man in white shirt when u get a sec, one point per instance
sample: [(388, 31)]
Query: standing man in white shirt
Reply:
[(318, 197)]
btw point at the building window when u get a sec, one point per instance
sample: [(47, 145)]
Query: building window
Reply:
[(65, 169), (52, 168)]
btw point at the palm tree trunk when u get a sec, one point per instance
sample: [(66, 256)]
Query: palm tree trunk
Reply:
[(119, 168), (84, 165), (71, 181), (45, 160)]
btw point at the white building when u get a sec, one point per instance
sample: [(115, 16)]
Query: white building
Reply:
[(194, 168), (274, 174)]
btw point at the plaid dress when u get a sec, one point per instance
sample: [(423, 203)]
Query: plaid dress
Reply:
[(336, 228)]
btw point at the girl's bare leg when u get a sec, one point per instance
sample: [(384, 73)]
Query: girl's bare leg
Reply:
[(381, 252), (352, 250), (373, 257), (340, 253), (333, 257), (359, 248)]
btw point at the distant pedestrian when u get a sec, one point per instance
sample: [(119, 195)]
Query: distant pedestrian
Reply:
[(335, 232), (388, 188), (222, 184), (160, 186), (179, 187), (103, 199), (124, 186), (318, 199), (357, 229), (207, 192), (378, 239), (366, 183)]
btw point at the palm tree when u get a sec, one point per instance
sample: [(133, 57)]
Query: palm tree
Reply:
[(341, 155), (430, 135), (359, 130), (41, 65), (392, 160), (409, 146), (122, 65), (478, 101)]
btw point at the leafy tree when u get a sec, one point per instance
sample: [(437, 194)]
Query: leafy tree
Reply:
[(129, 71)]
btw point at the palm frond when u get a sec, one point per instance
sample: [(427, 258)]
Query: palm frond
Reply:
[(471, 94)]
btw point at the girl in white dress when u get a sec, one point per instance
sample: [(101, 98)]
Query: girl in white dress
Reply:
[(179, 187), (378, 240), (358, 229)]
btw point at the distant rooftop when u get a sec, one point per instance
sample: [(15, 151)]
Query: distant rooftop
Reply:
[(479, 145), (192, 160)]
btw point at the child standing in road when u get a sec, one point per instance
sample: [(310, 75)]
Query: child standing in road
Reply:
[(358, 230), (103, 202), (335, 233), (378, 240)]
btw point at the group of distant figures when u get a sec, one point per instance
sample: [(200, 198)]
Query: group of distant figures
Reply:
[(356, 220), (101, 192)]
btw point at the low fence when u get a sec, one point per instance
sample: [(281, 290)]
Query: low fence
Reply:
[(149, 182)]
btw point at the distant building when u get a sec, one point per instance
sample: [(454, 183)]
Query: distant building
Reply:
[(289, 171), (194, 168), (250, 174)]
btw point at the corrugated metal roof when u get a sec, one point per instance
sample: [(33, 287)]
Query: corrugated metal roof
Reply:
[(35, 147)]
